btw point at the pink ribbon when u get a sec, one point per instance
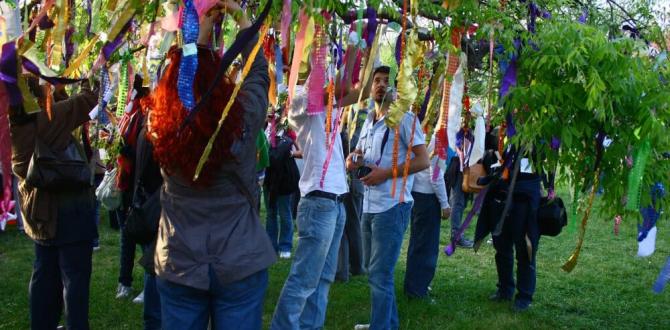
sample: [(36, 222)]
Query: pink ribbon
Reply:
[(203, 6), (285, 23), (297, 58), (7, 204)]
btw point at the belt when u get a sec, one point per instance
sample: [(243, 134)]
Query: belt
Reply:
[(327, 195)]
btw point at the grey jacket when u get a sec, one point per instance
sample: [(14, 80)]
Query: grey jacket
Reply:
[(217, 227)]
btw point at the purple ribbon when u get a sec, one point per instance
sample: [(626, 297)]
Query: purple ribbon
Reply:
[(663, 278), (45, 23), (9, 73), (451, 248), (424, 105), (32, 68), (372, 25), (111, 46), (69, 45), (509, 79), (398, 44), (555, 143), (584, 16), (90, 17)]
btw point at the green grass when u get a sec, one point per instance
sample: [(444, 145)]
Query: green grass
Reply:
[(609, 289)]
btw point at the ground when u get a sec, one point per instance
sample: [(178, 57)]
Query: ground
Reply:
[(609, 289)]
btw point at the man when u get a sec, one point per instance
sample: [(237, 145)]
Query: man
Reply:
[(385, 217), (458, 200), (302, 302), (430, 204)]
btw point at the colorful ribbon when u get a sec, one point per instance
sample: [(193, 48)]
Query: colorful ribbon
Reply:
[(663, 278), (7, 204), (188, 65), (572, 261), (636, 174)]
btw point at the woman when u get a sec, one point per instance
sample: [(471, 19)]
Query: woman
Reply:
[(212, 252), (60, 222)]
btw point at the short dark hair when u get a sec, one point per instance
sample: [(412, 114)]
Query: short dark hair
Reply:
[(382, 69)]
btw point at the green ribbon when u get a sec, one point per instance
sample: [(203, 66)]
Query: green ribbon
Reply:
[(636, 174), (123, 87)]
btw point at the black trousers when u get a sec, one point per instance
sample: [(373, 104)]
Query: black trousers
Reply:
[(61, 274), (350, 255)]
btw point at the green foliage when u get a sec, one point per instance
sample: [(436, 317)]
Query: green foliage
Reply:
[(573, 83)]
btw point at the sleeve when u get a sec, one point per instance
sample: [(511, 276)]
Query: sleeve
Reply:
[(406, 131), (439, 187), (23, 145), (297, 111), (254, 90), (75, 109)]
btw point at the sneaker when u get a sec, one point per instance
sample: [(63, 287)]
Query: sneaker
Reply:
[(465, 243), (497, 297), (520, 306), (362, 327), (96, 248), (285, 255), (140, 298), (122, 291)]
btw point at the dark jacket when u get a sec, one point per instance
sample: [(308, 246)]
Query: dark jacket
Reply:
[(218, 227)]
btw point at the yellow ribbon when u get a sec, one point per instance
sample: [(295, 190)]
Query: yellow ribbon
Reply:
[(233, 96), (407, 89), (572, 261), (77, 62), (370, 61), (59, 32), (125, 16)]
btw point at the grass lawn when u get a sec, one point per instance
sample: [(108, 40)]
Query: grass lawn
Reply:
[(609, 289)]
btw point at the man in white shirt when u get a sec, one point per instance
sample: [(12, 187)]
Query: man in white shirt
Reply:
[(321, 215), (385, 218), (430, 204)]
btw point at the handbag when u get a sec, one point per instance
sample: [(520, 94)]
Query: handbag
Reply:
[(145, 209), (143, 216), (63, 170), (551, 216), (470, 176), (107, 192)]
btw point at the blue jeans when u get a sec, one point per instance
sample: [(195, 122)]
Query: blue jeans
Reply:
[(281, 235), (424, 244), (237, 305), (520, 224), (303, 300), (152, 303), (382, 239)]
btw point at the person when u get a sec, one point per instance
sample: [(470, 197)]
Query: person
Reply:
[(430, 204), (304, 297), (350, 261), (519, 234), (146, 173), (212, 253), (385, 217), (281, 181), (60, 222)]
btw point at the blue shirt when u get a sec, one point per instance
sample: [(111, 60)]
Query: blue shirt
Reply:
[(378, 198)]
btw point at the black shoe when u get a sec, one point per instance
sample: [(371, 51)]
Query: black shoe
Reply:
[(520, 306), (497, 297), (465, 243)]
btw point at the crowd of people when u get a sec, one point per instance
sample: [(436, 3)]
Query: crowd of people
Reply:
[(207, 264)]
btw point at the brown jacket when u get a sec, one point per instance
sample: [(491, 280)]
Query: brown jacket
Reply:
[(39, 207)]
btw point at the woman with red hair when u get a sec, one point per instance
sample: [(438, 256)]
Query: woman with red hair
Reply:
[(212, 252)]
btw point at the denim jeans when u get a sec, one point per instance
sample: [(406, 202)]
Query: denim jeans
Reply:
[(457, 199), (61, 274), (520, 224), (281, 235), (303, 300), (382, 239), (424, 244), (152, 303), (237, 305), (350, 259)]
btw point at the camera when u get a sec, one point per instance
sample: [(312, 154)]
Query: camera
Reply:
[(363, 171)]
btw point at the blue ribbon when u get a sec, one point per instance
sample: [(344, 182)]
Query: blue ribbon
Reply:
[(189, 61)]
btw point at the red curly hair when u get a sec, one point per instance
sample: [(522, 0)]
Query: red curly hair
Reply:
[(177, 152)]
